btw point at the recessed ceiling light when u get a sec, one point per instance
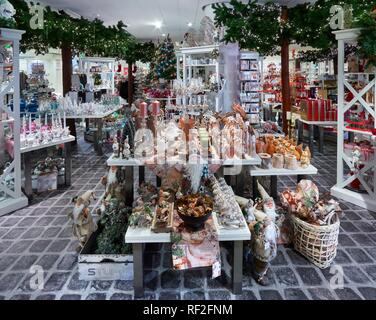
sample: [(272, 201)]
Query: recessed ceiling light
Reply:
[(190, 24), (158, 24)]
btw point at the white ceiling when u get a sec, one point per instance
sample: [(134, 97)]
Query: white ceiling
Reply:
[(141, 15)]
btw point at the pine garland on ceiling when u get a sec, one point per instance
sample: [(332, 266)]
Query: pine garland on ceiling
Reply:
[(90, 37)]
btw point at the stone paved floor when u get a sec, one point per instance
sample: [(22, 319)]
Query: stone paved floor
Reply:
[(41, 235)]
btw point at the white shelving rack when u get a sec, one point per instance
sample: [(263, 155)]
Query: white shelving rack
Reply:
[(341, 189), (192, 54), (250, 84), (11, 194), (86, 63)]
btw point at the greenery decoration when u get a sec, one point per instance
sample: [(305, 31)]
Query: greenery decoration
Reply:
[(258, 26), (367, 38), (113, 225), (90, 37), (253, 26)]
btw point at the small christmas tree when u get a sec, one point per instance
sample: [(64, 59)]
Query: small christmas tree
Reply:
[(165, 67)]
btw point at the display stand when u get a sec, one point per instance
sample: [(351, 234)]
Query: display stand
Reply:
[(98, 120), (228, 168), (341, 190), (250, 86), (138, 237), (86, 64), (275, 173), (311, 124), (14, 199), (27, 155), (190, 61), (199, 58)]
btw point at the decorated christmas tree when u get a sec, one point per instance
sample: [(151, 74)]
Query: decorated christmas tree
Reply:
[(165, 67)]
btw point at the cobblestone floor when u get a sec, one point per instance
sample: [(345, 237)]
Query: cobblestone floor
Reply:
[(41, 235)]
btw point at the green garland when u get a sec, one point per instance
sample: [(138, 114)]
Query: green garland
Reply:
[(258, 26), (90, 37), (367, 38)]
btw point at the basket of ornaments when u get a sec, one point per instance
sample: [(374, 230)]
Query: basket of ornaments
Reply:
[(316, 222)]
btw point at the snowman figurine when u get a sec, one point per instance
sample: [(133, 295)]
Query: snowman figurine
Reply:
[(126, 149)]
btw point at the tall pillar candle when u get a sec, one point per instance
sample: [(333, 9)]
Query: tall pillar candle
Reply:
[(143, 109), (156, 108)]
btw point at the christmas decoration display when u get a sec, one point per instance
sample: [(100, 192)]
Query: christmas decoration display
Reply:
[(37, 84), (139, 83), (272, 84), (34, 133), (287, 154), (165, 67)]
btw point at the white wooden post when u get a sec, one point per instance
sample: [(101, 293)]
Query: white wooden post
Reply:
[(341, 96)]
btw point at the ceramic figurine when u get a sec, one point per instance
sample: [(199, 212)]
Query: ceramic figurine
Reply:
[(264, 248), (355, 157), (126, 149), (305, 159), (115, 147), (268, 203), (110, 181), (83, 224)]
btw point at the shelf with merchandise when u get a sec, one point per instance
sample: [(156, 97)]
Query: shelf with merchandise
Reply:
[(356, 179), (11, 196)]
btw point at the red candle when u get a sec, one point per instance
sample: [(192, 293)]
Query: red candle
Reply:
[(143, 109), (156, 108)]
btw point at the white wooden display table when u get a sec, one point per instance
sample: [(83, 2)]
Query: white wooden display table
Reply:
[(274, 173), (320, 124), (99, 116), (27, 156), (138, 237), (231, 169), (98, 120)]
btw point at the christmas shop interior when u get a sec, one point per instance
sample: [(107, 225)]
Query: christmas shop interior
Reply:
[(188, 150)]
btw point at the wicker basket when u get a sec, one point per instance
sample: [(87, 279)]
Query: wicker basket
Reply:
[(317, 243)]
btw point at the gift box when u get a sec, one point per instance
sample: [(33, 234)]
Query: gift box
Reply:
[(318, 110)]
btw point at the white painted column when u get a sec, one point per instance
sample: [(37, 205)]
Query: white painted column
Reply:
[(341, 107)]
